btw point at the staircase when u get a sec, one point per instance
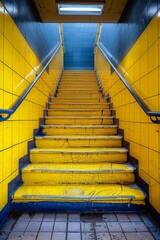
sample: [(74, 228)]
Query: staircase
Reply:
[(79, 163)]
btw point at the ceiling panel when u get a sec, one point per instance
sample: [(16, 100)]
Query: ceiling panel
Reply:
[(112, 11)]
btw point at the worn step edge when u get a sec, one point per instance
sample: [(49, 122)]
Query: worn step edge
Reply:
[(78, 110), (71, 98), (85, 137), (80, 150), (130, 193), (72, 103), (79, 168), (79, 117), (79, 126)]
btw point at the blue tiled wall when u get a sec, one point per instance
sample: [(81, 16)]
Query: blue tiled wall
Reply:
[(119, 38), (41, 37), (79, 39)]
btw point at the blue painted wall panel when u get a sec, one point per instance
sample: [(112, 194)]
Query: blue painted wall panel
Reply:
[(79, 39), (119, 38), (41, 37)]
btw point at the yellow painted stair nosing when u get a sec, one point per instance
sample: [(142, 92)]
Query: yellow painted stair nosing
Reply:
[(78, 117), (80, 150), (80, 168), (85, 90), (82, 137), (83, 85), (78, 110), (73, 103), (101, 193), (78, 126), (87, 98)]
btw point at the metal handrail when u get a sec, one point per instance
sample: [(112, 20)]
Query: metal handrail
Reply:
[(10, 111), (142, 104)]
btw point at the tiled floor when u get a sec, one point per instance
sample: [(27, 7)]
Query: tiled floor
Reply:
[(60, 226)]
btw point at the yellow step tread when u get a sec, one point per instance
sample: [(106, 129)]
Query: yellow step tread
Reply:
[(71, 98), (80, 89), (79, 117), (77, 90), (79, 167), (79, 126), (91, 193), (79, 80), (73, 103), (77, 85), (78, 110), (81, 137), (80, 150)]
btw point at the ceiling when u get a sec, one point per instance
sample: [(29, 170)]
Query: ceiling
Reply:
[(111, 13)]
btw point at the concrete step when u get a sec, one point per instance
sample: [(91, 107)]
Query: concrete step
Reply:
[(77, 173), (78, 198), (76, 120), (50, 130), (79, 105), (78, 141), (79, 112), (79, 95), (78, 84), (77, 100), (78, 155)]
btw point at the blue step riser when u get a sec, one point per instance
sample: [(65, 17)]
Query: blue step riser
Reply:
[(80, 207)]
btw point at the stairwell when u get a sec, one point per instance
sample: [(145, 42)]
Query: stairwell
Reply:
[(79, 163)]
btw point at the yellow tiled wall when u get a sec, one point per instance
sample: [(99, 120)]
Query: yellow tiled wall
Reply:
[(18, 67), (141, 67)]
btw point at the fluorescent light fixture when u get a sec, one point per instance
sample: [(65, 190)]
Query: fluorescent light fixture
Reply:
[(79, 9)]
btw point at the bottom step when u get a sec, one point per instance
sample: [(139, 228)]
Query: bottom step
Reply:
[(78, 198)]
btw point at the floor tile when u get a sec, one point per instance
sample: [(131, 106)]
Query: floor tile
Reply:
[(134, 217), (87, 227), (37, 217), (33, 227), (117, 236), (140, 227), (61, 217), (146, 236), (132, 236), (30, 235), (103, 236), (49, 217), (20, 226), (44, 236), (59, 236), (128, 227), (25, 217), (73, 236), (60, 226), (101, 227), (73, 226), (122, 217), (114, 227), (73, 217), (109, 217), (89, 236), (46, 226), (15, 235)]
